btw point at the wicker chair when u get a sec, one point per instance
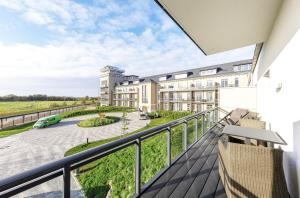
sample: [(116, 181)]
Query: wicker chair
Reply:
[(251, 171)]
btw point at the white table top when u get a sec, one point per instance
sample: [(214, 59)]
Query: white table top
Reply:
[(252, 133)]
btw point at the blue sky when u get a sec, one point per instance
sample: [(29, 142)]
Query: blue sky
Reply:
[(57, 47)]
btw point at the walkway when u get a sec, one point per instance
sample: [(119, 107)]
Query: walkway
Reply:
[(33, 148)]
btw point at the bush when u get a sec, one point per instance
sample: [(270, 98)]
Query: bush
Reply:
[(95, 122), (171, 114), (54, 105), (80, 112)]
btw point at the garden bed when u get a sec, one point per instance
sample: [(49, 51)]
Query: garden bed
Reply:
[(95, 122)]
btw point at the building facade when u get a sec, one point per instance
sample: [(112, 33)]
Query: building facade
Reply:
[(189, 90)]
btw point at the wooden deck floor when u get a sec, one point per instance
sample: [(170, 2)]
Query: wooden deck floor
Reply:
[(195, 174)]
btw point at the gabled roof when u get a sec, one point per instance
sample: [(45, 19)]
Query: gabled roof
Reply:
[(225, 68)]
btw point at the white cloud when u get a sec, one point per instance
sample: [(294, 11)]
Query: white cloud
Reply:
[(79, 53)]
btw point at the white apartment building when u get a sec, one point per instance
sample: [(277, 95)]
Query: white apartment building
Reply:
[(188, 90)]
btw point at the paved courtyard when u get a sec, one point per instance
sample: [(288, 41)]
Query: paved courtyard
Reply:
[(37, 146)]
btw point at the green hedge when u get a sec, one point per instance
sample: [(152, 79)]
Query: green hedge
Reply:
[(98, 109), (95, 122)]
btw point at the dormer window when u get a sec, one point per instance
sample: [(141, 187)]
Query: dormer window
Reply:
[(208, 72), (163, 78), (245, 67), (180, 76)]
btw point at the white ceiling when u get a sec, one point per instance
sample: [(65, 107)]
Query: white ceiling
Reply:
[(221, 25)]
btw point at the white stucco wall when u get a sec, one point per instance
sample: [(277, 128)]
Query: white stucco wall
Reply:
[(278, 96), (237, 97)]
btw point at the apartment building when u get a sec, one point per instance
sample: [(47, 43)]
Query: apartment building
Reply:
[(189, 90)]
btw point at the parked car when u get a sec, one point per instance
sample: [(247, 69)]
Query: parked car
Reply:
[(47, 121)]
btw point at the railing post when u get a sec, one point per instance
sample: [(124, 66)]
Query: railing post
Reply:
[(196, 128), (168, 146), (67, 182), (1, 123), (138, 167), (185, 128), (209, 120), (203, 123)]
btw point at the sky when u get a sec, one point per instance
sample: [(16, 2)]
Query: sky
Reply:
[(57, 47)]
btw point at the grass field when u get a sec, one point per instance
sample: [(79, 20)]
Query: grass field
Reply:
[(16, 130), (116, 171), (12, 108)]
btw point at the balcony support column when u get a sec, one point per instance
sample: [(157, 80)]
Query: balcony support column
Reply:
[(138, 167), (168, 146), (203, 123), (185, 129), (196, 128)]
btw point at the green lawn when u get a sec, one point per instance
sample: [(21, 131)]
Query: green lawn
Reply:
[(16, 130), (117, 169), (13, 108)]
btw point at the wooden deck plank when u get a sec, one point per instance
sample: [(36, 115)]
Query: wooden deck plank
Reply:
[(162, 181), (184, 186), (195, 174), (202, 177), (220, 192), (211, 183), (168, 189)]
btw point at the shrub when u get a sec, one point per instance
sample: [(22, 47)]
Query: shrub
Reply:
[(95, 122), (53, 105), (80, 112)]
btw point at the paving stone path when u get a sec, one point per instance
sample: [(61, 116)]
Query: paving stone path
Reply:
[(38, 146)]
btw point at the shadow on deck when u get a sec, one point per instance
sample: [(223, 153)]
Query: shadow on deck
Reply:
[(195, 174)]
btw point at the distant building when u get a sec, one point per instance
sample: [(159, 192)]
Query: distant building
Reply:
[(188, 90)]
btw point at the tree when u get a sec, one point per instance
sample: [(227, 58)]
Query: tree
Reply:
[(125, 122)]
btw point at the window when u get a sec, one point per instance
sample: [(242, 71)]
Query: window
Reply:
[(144, 94), (209, 83), (236, 82), (208, 72), (198, 84), (162, 78), (180, 76), (224, 83), (209, 96), (180, 107), (245, 67), (104, 83), (182, 85)]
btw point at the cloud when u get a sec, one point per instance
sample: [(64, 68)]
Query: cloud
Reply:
[(134, 35)]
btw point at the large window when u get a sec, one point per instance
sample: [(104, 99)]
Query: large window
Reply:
[(209, 83), (236, 82), (104, 83), (209, 96), (224, 83), (144, 94)]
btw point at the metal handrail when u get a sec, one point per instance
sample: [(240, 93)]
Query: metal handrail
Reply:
[(18, 183)]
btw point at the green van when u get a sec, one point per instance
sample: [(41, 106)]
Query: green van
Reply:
[(47, 121)]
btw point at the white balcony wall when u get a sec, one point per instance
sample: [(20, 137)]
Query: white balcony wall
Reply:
[(278, 98), (238, 97)]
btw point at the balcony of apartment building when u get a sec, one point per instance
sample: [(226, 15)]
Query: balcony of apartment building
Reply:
[(190, 88), (126, 91)]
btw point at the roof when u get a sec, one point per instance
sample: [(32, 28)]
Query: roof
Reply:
[(225, 68), (217, 26)]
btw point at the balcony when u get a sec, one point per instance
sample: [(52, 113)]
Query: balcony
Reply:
[(189, 89), (203, 147)]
